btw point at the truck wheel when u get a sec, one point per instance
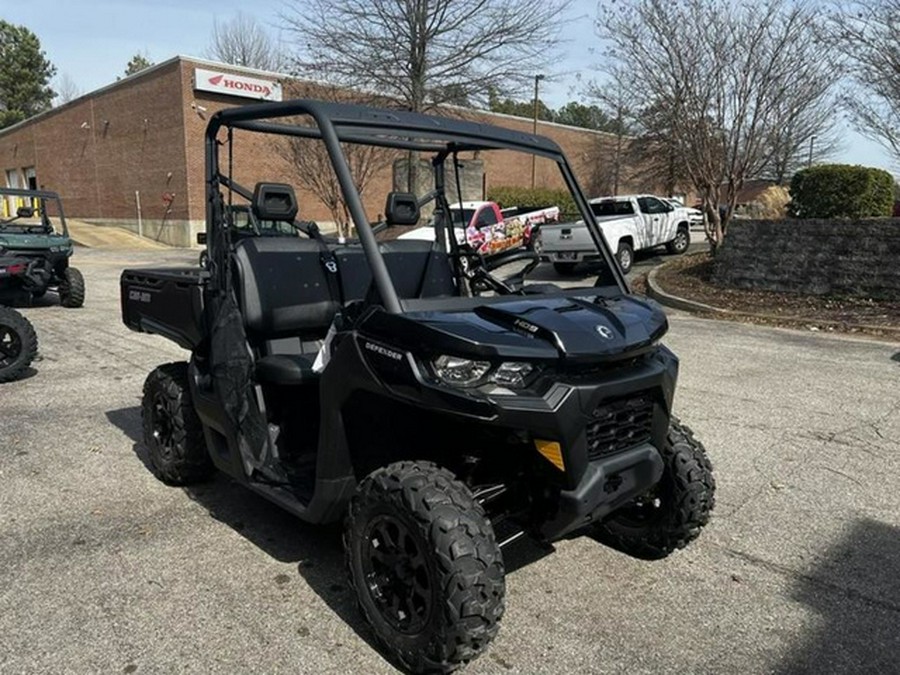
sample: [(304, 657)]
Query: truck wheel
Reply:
[(71, 289), (681, 241), (18, 344), (565, 269), (425, 565), (173, 433), (625, 256), (671, 515), (536, 244)]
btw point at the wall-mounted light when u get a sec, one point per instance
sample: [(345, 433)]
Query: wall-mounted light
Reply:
[(85, 125), (198, 108)]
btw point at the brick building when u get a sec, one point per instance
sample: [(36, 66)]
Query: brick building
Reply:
[(132, 154)]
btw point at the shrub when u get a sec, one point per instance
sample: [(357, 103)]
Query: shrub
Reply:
[(841, 191), (537, 197)]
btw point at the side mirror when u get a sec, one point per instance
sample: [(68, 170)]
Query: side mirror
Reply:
[(25, 212), (201, 238), (401, 208)]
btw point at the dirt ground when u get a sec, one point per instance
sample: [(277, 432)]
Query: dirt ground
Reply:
[(689, 277)]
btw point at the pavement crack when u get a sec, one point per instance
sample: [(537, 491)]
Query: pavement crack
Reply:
[(841, 473), (812, 580)]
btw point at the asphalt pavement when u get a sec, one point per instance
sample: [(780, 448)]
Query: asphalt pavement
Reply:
[(105, 569)]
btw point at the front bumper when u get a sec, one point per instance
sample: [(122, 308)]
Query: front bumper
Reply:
[(606, 485)]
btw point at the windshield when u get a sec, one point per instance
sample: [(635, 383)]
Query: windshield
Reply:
[(30, 214)]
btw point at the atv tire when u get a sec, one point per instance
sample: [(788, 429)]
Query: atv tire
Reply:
[(425, 564), (18, 344), (173, 433), (71, 288), (675, 511)]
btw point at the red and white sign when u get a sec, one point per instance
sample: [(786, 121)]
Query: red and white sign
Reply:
[(229, 84)]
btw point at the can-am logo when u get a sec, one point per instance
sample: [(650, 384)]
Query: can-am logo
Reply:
[(236, 85)]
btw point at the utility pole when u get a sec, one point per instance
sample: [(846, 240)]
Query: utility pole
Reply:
[(537, 79)]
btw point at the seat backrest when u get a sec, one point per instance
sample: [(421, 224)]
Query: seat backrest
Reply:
[(282, 288), (416, 270)]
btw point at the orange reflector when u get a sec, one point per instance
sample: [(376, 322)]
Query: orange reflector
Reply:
[(552, 451)]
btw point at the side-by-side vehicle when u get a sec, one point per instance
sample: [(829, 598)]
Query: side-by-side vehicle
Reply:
[(439, 409)]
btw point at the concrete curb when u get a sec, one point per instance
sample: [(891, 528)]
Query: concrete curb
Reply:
[(675, 302)]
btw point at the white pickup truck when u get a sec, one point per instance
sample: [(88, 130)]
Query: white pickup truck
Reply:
[(489, 229), (629, 222)]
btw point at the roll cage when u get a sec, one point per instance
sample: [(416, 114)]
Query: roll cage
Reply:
[(337, 123)]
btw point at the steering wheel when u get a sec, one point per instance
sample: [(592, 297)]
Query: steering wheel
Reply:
[(472, 265)]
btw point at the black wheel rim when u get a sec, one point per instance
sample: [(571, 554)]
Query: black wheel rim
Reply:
[(162, 426), (10, 346), (397, 575)]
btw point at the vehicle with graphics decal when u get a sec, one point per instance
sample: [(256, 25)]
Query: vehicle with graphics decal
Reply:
[(33, 229), (488, 229), (398, 385)]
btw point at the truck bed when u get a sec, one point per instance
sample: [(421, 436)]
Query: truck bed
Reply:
[(166, 301)]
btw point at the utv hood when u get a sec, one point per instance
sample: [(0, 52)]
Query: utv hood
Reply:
[(575, 328)]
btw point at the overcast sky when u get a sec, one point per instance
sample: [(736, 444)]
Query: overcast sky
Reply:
[(92, 41)]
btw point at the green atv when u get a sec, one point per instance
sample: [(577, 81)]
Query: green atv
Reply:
[(33, 230)]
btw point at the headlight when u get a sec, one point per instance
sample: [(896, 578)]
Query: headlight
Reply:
[(462, 372), (511, 374)]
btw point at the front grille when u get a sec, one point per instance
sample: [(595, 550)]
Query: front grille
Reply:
[(618, 425)]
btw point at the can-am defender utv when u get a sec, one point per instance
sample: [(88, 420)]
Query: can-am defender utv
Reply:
[(33, 228), (404, 387)]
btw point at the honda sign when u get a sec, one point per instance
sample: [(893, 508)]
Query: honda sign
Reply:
[(236, 85)]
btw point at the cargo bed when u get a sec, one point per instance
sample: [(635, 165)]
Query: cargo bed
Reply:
[(166, 301)]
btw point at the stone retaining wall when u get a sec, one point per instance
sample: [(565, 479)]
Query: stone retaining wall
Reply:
[(818, 257)]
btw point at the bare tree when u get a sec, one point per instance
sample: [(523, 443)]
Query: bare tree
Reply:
[(865, 31), (423, 53), (808, 135), (620, 102), (419, 54), (66, 89), (242, 41), (727, 98), (311, 165)]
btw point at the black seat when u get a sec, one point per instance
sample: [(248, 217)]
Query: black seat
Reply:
[(282, 288)]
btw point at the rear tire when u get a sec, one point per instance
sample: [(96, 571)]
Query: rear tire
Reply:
[(425, 565), (625, 256), (566, 269), (18, 344), (71, 289), (681, 242), (673, 514), (173, 433)]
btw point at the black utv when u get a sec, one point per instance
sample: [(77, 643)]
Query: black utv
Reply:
[(403, 387), (33, 228)]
